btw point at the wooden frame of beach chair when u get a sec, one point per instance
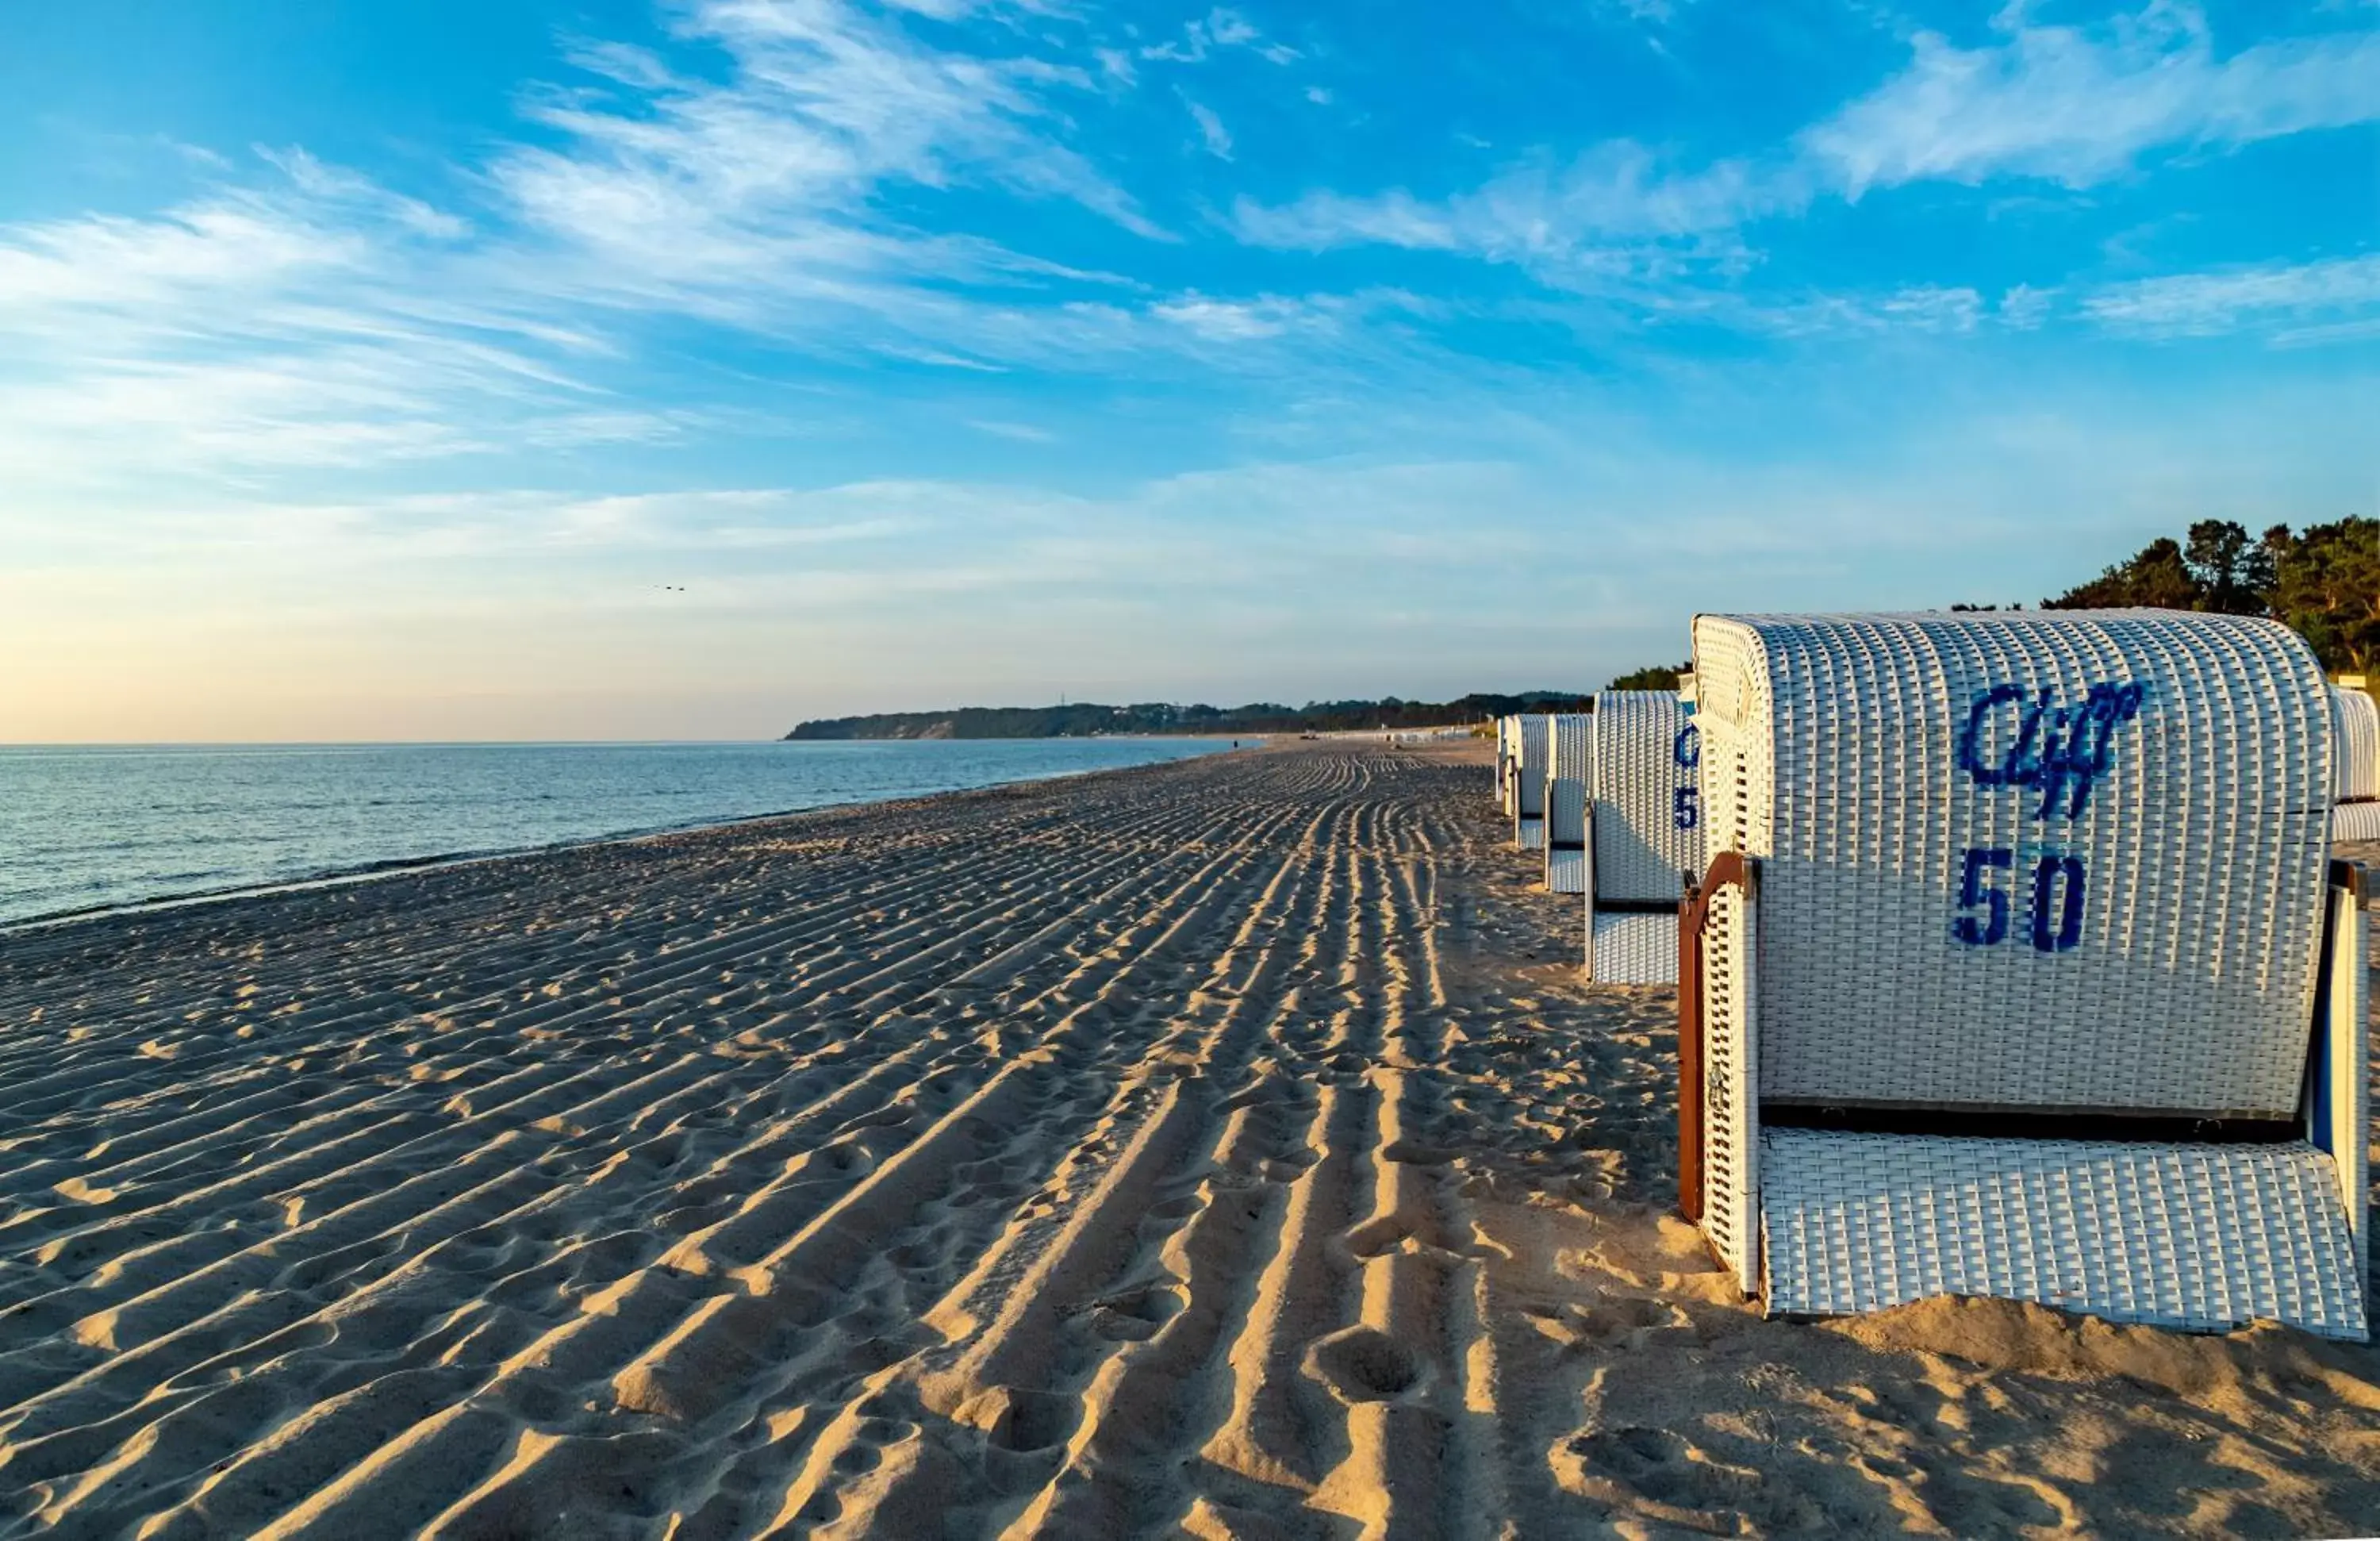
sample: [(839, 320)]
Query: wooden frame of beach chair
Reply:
[(1570, 770), (1529, 784), (2131, 1082), (1644, 818)]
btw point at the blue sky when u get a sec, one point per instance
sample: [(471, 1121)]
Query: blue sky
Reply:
[(613, 370)]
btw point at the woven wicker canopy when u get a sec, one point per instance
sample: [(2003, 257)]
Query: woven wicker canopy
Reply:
[(2053, 860)]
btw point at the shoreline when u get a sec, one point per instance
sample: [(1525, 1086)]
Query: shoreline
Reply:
[(393, 867)]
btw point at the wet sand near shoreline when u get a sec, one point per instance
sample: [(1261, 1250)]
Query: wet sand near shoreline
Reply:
[(1221, 1148)]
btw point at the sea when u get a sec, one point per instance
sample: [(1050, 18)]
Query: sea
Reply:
[(98, 827)]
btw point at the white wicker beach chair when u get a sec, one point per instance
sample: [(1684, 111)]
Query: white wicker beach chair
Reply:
[(1646, 823), (2355, 764), (1529, 784), (2021, 969), (1569, 772)]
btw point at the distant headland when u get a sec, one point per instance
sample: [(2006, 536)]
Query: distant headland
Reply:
[(1088, 718)]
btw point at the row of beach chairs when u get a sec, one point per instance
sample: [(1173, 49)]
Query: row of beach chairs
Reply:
[(2012, 958), (1612, 798)]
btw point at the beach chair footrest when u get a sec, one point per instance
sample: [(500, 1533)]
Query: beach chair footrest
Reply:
[(2197, 1236), (1635, 947), (1565, 870)]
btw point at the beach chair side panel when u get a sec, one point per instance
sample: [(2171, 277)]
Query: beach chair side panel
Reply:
[(2339, 1112), (1567, 781), (1646, 754), (2355, 734), (1529, 785)]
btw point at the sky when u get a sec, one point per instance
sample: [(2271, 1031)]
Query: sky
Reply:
[(518, 370)]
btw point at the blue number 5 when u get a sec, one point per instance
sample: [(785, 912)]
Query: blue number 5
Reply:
[(1973, 890)]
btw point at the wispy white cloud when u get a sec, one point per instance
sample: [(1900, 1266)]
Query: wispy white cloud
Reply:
[(2058, 103), (1024, 432), (1229, 28), (329, 188), (1322, 220), (1615, 214), (2307, 298), (281, 323), (2025, 306), (1924, 308), (1116, 65), (299, 314), (1653, 14), (767, 177), (1210, 128), (2323, 336), (55, 274), (1220, 28), (2076, 107), (698, 525), (1235, 321)]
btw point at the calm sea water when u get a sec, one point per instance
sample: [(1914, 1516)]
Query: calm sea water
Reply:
[(88, 827)]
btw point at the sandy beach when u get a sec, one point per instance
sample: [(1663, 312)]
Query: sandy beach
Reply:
[(1224, 1149)]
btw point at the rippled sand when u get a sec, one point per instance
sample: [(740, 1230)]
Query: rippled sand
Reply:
[(1225, 1147)]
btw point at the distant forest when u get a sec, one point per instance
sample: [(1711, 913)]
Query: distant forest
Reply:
[(2325, 582)]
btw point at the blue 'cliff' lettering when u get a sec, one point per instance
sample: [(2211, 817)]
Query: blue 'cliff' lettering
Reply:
[(2062, 750)]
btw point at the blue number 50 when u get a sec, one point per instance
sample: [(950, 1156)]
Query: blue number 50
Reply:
[(1973, 890)]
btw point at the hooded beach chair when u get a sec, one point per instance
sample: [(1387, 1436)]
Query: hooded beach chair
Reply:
[(1643, 818), (2355, 759), (1568, 771), (1529, 784), (2021, 968)]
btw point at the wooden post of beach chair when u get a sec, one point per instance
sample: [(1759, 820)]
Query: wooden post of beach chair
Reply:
[(2021, 969), (1646, 816), (1568, 771), (1729, 871), (2355, 761), (1529, 784)]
